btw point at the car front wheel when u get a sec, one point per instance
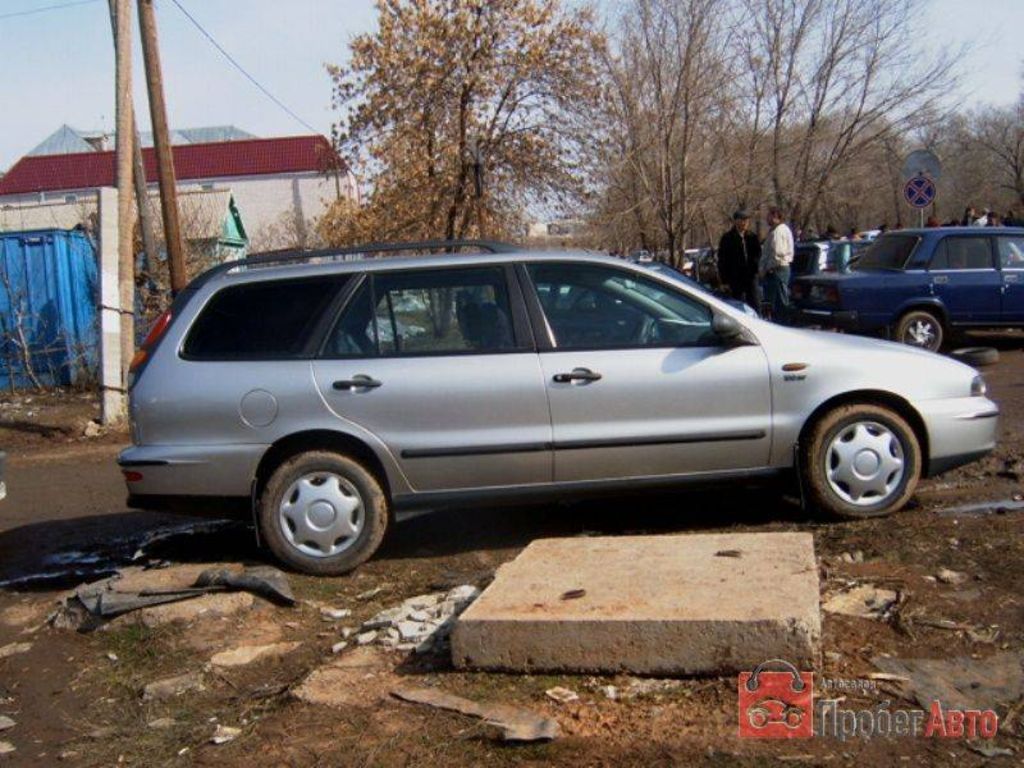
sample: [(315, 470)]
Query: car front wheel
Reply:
[(323, 513), (860, 461)]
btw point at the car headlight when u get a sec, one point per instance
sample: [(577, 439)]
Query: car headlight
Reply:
[(978, 387)]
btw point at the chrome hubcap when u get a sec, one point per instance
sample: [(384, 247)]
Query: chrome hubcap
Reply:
[(864, 463), (921, 333), (321, 514)]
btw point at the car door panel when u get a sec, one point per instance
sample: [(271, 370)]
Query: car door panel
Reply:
[(964, 278), (1010, 250), (450, 422), (435, 363), (624, 403), (659, 412)]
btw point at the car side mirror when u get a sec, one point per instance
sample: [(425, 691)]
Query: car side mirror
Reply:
[(726, 328)]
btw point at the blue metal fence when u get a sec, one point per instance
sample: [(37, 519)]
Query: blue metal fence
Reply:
[(48, 307)]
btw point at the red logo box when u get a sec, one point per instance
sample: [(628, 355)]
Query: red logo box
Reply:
[(776, 704)]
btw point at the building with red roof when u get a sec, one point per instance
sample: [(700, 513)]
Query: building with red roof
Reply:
[(280, 186)]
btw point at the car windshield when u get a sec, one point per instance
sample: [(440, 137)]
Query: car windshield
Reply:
[(887, 252)]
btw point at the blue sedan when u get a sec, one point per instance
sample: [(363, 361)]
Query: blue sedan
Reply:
[(919, 285)]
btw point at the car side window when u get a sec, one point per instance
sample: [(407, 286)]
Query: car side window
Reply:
[(269, 320), (955, 253), (1011, 251), (423, 312), (590, 306)]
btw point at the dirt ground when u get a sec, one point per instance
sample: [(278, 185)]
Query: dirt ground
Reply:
[(76, 697)]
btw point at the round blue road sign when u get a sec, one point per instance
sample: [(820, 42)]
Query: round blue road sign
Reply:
[(919, 191)]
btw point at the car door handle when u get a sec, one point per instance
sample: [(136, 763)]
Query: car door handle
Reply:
[(577, 374), (359, 381), (941, 279)]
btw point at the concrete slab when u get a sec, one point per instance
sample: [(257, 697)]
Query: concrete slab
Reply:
[(659, 605)]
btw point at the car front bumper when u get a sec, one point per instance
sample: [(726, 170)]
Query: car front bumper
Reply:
[(960, 430)]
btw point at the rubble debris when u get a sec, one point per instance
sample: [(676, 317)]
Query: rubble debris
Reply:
[(6, 723), (562, 695), (856, 556), (94, 604), (959, 683), (339, 647), (947, 576), (92, 429), (14, 648), (989, 750), (515, 724), (170, 687), (247, 654), (6, 748), (334, 614), (610, 692), (418, 622), (976, 509), (370, 593), (865, 601), (647, 686), (224, 734), (162, 723)]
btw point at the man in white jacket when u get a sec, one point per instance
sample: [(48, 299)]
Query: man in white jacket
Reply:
[(776, 260)]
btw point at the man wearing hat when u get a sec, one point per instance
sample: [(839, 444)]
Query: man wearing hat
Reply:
[(739, 253)]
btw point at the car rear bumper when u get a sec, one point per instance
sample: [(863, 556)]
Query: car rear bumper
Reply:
[(161, 471), (845, 319), (960, 430)]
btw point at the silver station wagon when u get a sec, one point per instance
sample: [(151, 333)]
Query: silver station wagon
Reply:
[(326, 393)]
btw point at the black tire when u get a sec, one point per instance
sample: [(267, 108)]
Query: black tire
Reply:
[(371, 513), (976, 356), (914, 324), (816, 461)]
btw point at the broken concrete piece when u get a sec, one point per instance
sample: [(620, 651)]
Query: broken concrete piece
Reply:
[(959, 683), (204, 607), (11, 649), (169, 687), (6, 748), (224, 734), (347, 681), (339, 647), (334, 614), (561, 695), (247, 654), (419, 621), (365, 638), (946, 576), (653, 605), (864, 601), (6, 723), (514, 723)]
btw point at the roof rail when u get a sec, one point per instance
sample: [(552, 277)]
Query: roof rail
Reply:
[(299, 256)]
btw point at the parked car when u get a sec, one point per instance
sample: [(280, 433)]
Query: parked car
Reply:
[(919, 285), (821, 256), (539, 376)]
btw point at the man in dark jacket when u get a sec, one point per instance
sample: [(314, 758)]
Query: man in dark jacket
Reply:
[(739, 253)]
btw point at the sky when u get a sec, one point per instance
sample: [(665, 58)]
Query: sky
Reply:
[(58, 65)]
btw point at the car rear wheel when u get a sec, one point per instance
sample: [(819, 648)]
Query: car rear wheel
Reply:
[(860, 461), (920, 328), (323, 513)]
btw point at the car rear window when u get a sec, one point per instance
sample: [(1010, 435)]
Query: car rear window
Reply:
[(887, 252), (260, 321)]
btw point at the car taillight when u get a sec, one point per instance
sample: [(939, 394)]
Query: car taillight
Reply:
[(154, 335)]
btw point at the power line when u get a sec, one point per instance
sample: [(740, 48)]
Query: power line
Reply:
[(45, 8), (241, 69)]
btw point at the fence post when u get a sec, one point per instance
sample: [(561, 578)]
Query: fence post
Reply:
[(112, 389)]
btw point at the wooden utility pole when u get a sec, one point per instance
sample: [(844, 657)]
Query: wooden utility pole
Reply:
[(162, 144), (121, 22), (142, 200)]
